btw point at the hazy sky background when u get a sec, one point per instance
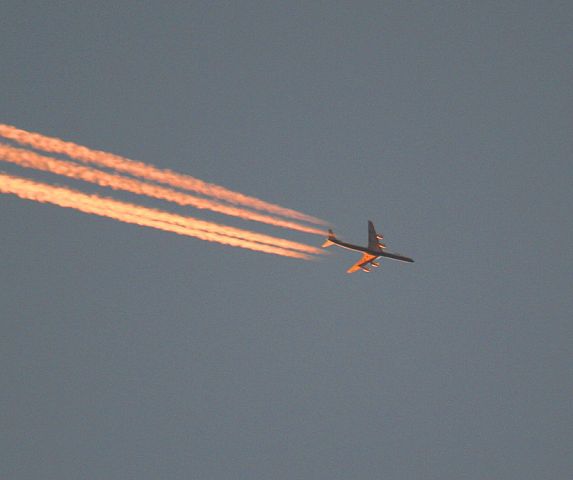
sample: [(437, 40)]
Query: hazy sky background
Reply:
[(129, 353)]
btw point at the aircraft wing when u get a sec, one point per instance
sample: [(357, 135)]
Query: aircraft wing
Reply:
[(360, 264), (374, 238)]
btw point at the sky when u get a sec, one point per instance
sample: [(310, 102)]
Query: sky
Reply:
[(133, 353)]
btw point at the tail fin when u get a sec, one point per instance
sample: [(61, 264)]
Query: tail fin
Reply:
[(329, 240)]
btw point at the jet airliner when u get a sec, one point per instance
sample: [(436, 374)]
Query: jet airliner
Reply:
[(374, 250)]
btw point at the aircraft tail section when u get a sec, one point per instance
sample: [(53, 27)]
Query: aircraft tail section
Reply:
[(329, 240)]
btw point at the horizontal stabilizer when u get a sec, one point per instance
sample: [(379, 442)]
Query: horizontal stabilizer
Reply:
[(329, 240)]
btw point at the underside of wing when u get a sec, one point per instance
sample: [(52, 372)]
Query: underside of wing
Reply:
[(374, 238), (361, 264)]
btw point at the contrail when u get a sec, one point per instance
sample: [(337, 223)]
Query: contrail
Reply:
[(144, 216), (142, 170), (29, 159)]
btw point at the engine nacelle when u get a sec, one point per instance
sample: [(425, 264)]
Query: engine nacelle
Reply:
[(375, 264), (364, 269)]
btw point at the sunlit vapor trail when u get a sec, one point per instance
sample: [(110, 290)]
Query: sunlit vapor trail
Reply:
[(29, 159), (134, 214), (142, 170)]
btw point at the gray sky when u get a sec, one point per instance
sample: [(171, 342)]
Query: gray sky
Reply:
[(132, 353)]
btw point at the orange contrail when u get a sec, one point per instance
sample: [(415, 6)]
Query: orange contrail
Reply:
[(29, 159), (193, 223), (129, 213), (93, 175), (140, 169)]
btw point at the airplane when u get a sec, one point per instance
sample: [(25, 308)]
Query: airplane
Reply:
[(374, 250)]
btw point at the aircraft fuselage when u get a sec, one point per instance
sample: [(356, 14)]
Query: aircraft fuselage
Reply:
[(376, 253)]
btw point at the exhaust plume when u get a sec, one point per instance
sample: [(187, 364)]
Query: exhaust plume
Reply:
[(29, 159), (148, 217), (148, 172)]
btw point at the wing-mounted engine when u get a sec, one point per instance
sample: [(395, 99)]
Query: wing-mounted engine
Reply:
[(379, 238)]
